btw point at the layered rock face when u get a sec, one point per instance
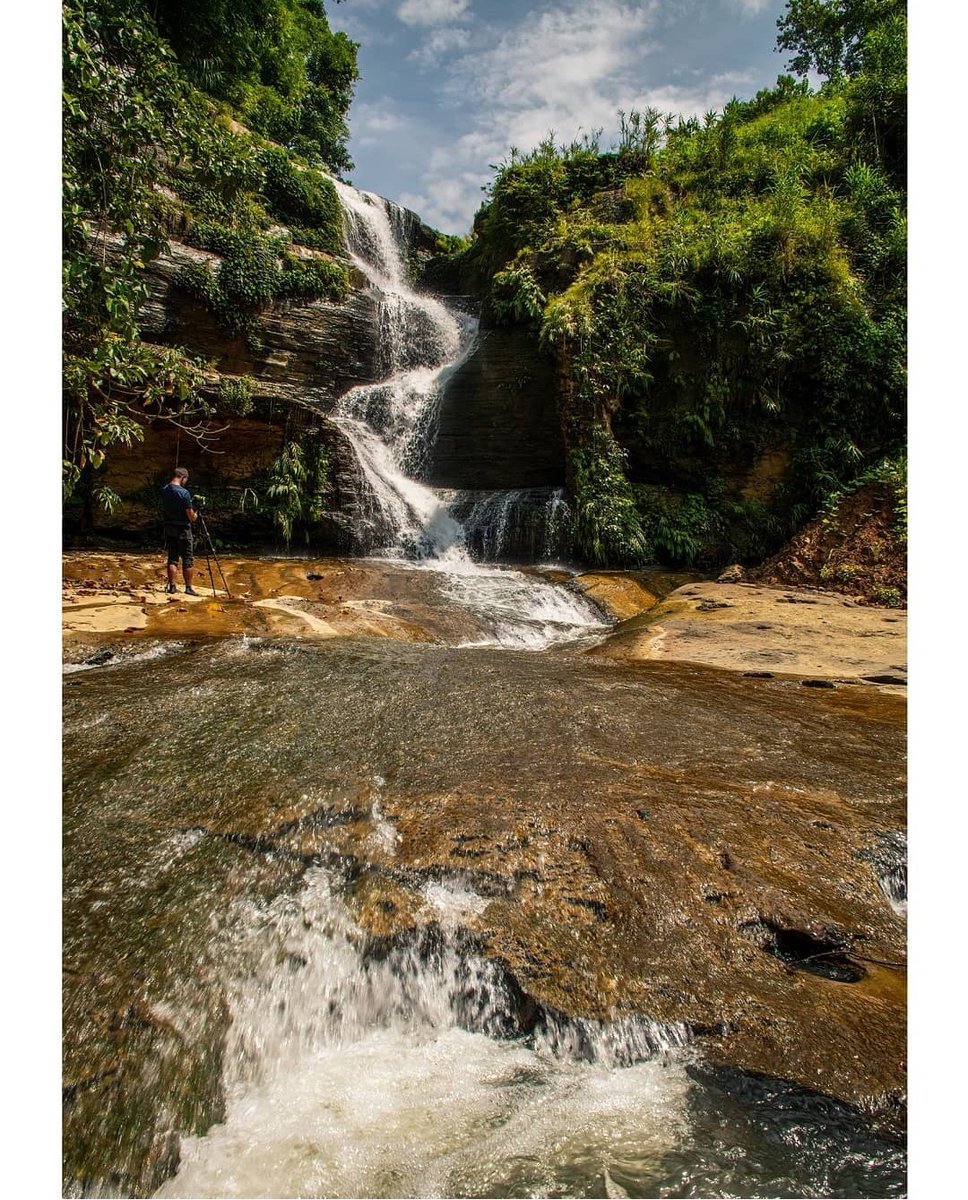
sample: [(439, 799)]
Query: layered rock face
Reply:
[(313, 350), (232, 477), (497, 424), (302, 357), (498, 419)]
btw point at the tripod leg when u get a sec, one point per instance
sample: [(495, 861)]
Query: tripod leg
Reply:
[(222, 576), (206, 542), (211, 547)]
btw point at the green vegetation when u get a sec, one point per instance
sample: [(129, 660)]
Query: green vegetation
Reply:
[(253, 270), (297, 486), (888, 475), (276, 64), (720, 295), (235, 395), (151, 151)]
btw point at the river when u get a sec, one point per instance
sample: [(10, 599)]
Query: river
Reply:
[(366, 918)]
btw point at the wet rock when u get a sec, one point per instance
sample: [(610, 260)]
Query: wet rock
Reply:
[(98, 658), (638, 821), (498, 424), (889, 858), (791, 634), (824, 952)]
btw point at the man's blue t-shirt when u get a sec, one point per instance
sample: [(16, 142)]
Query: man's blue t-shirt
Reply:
[(174, 500)]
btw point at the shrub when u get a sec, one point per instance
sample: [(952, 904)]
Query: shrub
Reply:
[(303, 197), (313, 278), (235, 395)]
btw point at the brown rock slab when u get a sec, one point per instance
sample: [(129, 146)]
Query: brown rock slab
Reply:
[(755, 628)]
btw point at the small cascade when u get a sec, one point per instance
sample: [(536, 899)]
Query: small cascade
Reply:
[(402, 1074), (526, 525), (889, 858), (392, 424)]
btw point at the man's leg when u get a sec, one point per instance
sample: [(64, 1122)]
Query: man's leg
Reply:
[(188, 559), (171, 549)]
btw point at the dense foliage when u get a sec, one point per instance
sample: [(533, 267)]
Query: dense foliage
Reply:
[(277, 64), (725, 297), (147, 154)]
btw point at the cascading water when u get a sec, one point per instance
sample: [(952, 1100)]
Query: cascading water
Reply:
[(526, 524), (269, 993), (401, 1076), (391, 425), (241, 1023)]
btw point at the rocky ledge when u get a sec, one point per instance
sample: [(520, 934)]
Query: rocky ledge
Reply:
[(769, 632)]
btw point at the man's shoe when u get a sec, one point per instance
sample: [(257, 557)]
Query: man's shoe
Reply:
[(190, 591), (170, 587)]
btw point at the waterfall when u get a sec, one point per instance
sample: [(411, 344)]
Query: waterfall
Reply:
[(523, 525), (391, 425)]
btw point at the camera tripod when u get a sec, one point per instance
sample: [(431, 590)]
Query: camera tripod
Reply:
[(208, 548)]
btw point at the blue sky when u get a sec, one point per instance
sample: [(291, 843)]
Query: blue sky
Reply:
[(448, 86)]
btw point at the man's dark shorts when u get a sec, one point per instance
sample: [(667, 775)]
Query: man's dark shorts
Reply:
[(178, 543)]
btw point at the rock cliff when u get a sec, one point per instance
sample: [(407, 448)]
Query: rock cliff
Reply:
[(498, 419), (498, 425)]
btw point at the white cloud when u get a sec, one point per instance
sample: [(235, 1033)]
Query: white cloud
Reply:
[(564, 68), (751, 7), (446, 203), (568, 68), (374, 123), (440, 43), (431, 12)]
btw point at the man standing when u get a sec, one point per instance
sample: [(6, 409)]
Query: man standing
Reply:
[(179, 513)]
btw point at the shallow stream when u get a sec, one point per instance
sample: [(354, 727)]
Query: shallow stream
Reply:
[(225, 830), (358, 917)]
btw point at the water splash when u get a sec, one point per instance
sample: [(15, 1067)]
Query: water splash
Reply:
[(889, 858), (349, 1075)]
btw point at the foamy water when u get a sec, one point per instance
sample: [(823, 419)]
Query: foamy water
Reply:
[(391, 426), (352, 1077)]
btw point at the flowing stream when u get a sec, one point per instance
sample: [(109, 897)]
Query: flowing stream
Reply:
[(243, 1016), (235, 1023)]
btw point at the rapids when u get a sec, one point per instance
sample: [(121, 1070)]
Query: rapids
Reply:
[(238, 1006)]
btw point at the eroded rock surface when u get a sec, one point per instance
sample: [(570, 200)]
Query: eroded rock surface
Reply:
[(781, 631), (650, 837)]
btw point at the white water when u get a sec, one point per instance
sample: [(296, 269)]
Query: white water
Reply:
[(498, 524), (391, 425), (353, 1077)]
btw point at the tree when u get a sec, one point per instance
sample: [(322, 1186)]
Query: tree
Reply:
[(128, 118), (276, 62), (827, 36)]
